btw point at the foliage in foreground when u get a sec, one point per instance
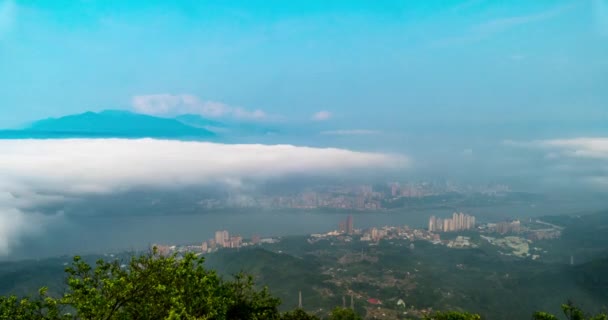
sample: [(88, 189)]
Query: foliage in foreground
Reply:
[(171, 287), (571, 312), (344, 314), (148, 287), (453, 315)]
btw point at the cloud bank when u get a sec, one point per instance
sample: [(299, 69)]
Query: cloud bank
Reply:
[(592, 148), (40, 171), (583, 148), (172, 105), (583, 159)]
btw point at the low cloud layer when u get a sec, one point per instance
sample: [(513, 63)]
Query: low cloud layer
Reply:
[(39, 171), (176, 104), (582, 159), (583, 148), (592, 148)]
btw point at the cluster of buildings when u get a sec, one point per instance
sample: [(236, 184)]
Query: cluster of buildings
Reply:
[(351, 197), (376, 234), (410, 190), (313, 200), (545, 234), (398, 233), (222, 240), (514, 227), (458, 222), (506, 227), (346, 232), (461, 242), (359, 199), (347, 226)]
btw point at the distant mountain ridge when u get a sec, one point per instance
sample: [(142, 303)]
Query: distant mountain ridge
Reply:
[(108, 124), (117, 123), (126, 124)]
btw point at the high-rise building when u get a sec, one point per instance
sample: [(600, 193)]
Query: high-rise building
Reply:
[(222, 238), (226, 239), (432, 223), (349, 224), (461, 224), (219, 238), (204, 247), (342, 226), (374, 234), (235, 242), (455, 225), (508, 227)]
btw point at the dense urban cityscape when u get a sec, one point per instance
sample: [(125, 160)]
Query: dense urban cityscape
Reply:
[(516, 236), (353, 197)]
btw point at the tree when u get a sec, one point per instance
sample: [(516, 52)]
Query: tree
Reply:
[(343, 314), (543, 316), (150, 286), (572, 312), (453, 315), (244, 302), (298, 314), (43, 308)]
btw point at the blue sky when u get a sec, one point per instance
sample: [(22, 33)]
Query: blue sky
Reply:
[(370, 64)]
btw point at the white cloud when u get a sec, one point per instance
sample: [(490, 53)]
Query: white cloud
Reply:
[(171, 105), (16, 223), (321, 115), (592, 148), (43, 171), (498, 25), (583, 148), (578, 159), (8, 16), (353, 132), (501, 24)]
